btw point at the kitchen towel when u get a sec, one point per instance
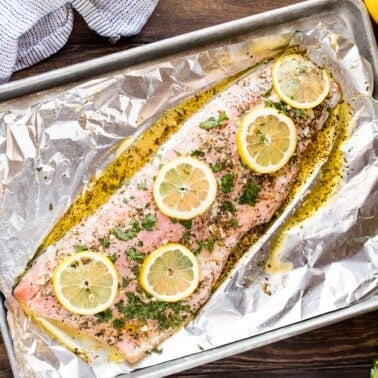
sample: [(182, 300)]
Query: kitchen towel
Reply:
[(32, 30)]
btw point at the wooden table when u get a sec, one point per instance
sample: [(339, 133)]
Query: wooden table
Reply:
[(346, 349)]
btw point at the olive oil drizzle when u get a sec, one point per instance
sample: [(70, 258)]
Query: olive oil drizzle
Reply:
[(129, 162), (327, 142)]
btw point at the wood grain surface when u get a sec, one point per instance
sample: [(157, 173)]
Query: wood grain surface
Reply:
[(345, 349)]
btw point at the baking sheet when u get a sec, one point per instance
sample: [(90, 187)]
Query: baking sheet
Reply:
[(344, 23)]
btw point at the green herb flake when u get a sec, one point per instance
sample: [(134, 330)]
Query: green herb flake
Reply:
[(104, 242), (261, 136), (208, 244), (280, 106), (227, 182), (228, 206), (130, 233), (142, 310), (268, 92), (234, 223), (39, 169), (112, 258), (51, 206), (104, 316), (125, 282), (300, 113), (80, 248), (118, 323), (149, 222), (187, 223), (217, 166), (141, 186), (133, 255), (249, 195), (212, 122), (198, 153), (186, 235)]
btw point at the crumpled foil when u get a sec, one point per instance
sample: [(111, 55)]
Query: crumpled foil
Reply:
[(72, 134)]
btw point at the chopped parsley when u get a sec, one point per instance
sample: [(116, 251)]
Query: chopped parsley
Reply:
[(125, 282), (268, 92), (280, 106), (217, 166), (155, 350), (80, 248), (130, 233), (228, 206), (198, 153), (212, 122), (104, 316), (227, 182), (208, 244), (186, 235), (118, 323), (142, 186), (187, 223), (39, 169), (149, 222), (51, 206), (261, 136), (133, 255), (234, 222), (249, 195), (166, 314), (104, 242), (300, 113), (112, 258)]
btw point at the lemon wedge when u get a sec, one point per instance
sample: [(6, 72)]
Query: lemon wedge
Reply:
[(372, 7), (184, 188), (170, 273), (299, 82), (266, 139), (85, 283)]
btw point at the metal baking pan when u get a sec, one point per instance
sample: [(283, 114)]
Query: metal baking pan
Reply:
[(359, 28)]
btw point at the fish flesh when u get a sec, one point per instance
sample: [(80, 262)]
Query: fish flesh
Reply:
[(130, 221)]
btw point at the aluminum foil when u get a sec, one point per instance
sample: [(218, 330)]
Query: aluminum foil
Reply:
[(51, 146)]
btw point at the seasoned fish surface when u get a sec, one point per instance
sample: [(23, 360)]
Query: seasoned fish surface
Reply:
[(130, 221)]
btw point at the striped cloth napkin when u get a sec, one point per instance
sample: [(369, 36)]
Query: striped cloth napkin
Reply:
[(33, 30)]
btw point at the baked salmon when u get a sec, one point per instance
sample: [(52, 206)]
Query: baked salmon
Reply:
[(130, 221)]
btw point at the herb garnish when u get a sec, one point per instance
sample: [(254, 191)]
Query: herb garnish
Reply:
[(112, 258), (187, 223), (133, 255), (261, 136), (217, 166), (166, 314), (80, 248), (227, 182), (104, 242), (197, 153), (104, 316), (130, 233), (118, 323), (249, 195), (208, 244), (212, 122), (149, 222), (280, 106), (228, 206), (268, 92)]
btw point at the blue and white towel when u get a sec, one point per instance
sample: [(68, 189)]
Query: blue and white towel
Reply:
[(32, 30)]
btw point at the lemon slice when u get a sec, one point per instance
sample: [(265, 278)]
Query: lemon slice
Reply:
[(266, 139), (299, 82), (170, 273), (85, 283), (184, 188), (372, 7)]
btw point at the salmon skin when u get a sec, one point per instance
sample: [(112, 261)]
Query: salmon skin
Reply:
[(130, 221)]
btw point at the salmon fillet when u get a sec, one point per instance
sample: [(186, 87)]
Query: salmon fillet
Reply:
[(130, 221)]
